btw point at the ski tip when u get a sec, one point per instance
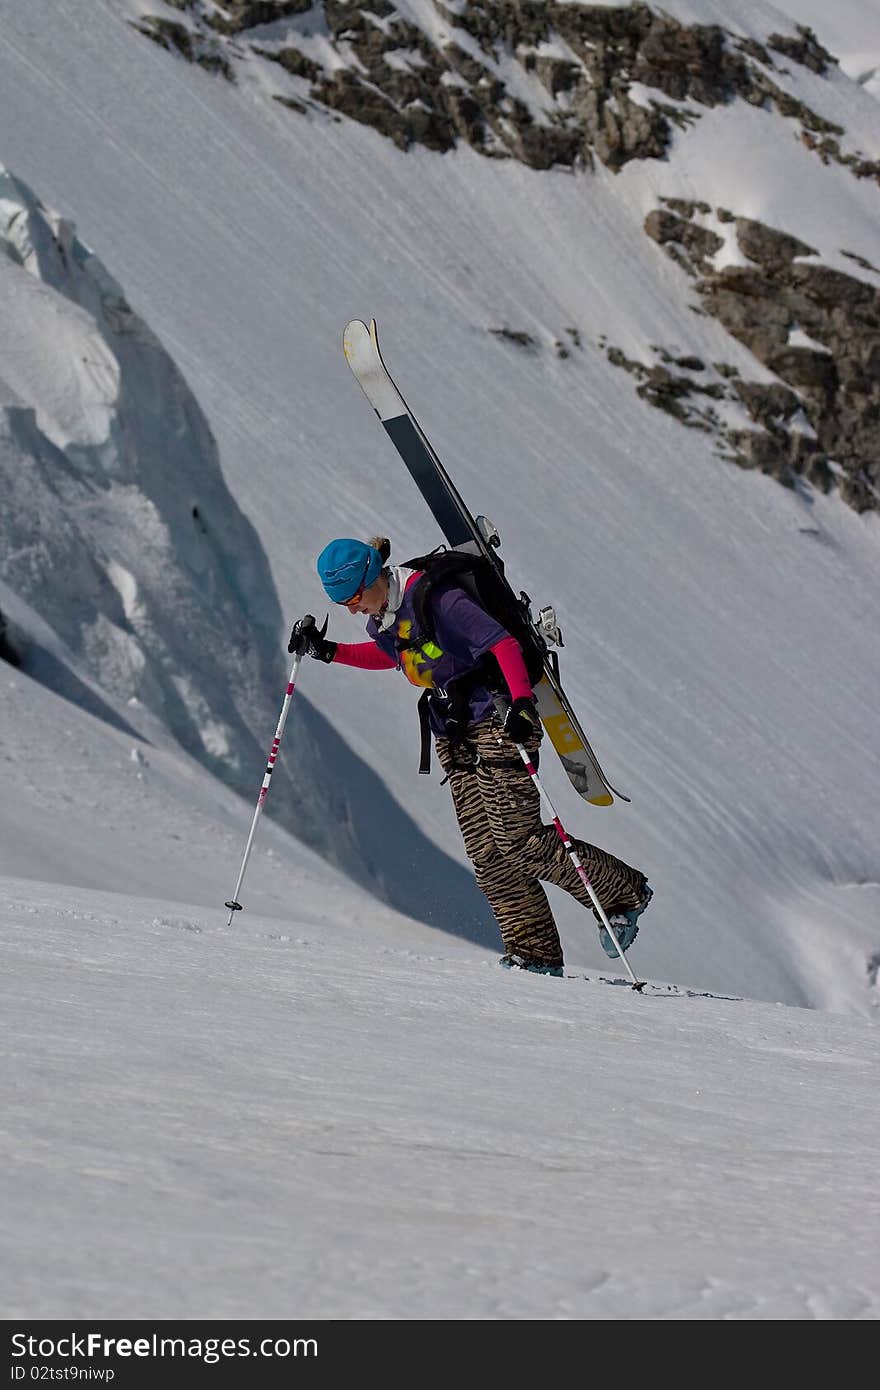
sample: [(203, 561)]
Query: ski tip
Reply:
[(355, 329)]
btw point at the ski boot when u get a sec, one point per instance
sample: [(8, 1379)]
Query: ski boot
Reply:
[(514, 962), (626, 927)]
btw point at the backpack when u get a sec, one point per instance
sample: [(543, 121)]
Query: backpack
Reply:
[(484, 581)]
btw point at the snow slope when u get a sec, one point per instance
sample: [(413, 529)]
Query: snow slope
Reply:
[(328, 1111), (721, 635), (118, 529), (333, 1109)]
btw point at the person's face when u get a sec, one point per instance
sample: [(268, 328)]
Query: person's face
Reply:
[(371, 600)]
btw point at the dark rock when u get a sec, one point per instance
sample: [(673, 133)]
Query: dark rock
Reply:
[(515, 336), (768, 403), (814, 467), (755, 50), (168, 34), (827, 286), (698, 243), (192, 46), (764, 451), (238, 15), (292, 61), (628, 131), (838, 389), (860, 260), (291, 103), (557, 74), (860, 491), (618, 358), (684, 207), (689, 64), (403, 123), (541, 148), (805, 369), (787, 105), (773, 250), (589, 111), (805, 49)]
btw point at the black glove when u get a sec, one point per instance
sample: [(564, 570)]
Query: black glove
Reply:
[(521, 721), (308, 639)]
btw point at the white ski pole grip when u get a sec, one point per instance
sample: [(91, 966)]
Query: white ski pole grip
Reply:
[(233, 904), (502, 707)]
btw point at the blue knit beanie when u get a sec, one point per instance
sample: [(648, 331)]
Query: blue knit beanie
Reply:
[(345, 566)]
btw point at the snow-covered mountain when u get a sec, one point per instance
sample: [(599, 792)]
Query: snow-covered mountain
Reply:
[(118, 529), (567, 86), (721, 634), (623, 261), (116, 521)]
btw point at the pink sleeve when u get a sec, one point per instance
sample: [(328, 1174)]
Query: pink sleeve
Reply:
[(365, 655), (508, 654)]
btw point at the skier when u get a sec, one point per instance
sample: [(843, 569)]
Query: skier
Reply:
[(468, 661)]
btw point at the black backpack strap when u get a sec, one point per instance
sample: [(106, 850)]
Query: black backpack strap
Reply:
[(456, 706), (425, 731), (482, 580)]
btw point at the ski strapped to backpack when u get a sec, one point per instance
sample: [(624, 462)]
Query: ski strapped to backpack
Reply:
[(463, 568), (464, 531)]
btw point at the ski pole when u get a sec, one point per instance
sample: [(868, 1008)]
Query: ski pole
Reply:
[(573, 855), (234, 905)]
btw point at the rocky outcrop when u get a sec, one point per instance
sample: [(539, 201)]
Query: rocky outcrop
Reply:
[(190, 44), (803, 48), (584, 71), (561, 83), (691, 245), (235, 16), (815, 327)]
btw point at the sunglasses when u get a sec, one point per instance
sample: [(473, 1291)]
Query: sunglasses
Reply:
[(359, 593)]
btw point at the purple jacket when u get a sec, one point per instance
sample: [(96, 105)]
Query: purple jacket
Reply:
[(463, 633)]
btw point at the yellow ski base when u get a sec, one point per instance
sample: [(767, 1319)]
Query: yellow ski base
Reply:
[(575, 754)]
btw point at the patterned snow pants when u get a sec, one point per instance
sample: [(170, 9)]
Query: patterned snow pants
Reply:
[(498, 808)]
